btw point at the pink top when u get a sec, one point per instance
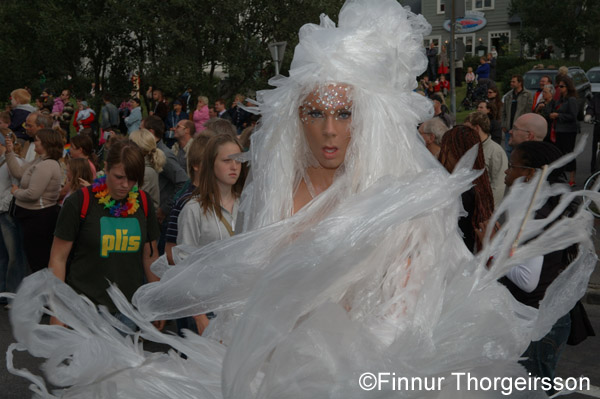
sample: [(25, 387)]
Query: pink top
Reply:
[(200, 117)]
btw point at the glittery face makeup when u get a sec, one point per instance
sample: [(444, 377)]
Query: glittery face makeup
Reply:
[(333, 100), (326, 115)]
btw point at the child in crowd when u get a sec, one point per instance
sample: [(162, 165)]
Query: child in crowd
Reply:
[(79, 174), (469, 78)]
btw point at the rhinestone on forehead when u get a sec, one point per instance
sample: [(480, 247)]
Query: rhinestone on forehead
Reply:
[(329, 99)]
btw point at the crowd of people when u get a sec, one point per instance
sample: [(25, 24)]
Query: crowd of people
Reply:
[(328, 230), (45, 170), (555, 101)]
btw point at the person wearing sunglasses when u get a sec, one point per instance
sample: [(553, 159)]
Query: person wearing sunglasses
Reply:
[(563, 122)]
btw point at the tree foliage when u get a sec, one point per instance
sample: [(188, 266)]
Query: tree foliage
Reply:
[(173, 44), (569, 24)]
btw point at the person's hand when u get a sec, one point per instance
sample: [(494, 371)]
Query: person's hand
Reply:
[(55, 322), (160, 215), (201, 323), (554, 115), (14, 188), (10, 146), (2, 149), (587, 118), (159, 324)]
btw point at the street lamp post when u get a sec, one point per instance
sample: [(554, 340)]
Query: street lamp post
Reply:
[(277, 50)]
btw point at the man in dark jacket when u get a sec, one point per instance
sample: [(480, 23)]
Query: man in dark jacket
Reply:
[(110, 114), (593, 113), (432, 61)]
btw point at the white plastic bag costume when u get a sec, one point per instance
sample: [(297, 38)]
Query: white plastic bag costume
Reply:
[(370, 276)]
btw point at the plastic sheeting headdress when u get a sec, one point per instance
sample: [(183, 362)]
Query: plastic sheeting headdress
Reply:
[(377, 50)]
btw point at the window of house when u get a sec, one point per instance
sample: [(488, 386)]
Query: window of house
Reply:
[(483, 4), (441, 6), (469, 41), (435, 39)]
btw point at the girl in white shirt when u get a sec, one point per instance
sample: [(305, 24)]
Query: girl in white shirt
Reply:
[(212, 213)]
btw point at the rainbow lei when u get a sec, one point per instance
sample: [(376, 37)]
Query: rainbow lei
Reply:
[(116, 209)]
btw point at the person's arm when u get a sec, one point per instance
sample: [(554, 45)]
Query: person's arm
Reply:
[(58, 264), (498, 164), (150, 255), (528, 101), (504, 115), (527, 275), (88, 121), (169, 252), (40, 178), (16, 170), (568, 112), (177, 175), (189, 222)]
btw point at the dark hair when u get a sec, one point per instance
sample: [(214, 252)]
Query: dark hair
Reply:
[(129, 154), (80, 168), (456, 142), (491, 107), (52, 143), (220, 100), (137, 100), (155, 125), (547, 77), (84, 142), (106, 97), (207, 191), (571, 91), (518, 77), (536, 154)]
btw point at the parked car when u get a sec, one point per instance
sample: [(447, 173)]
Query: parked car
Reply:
[(594, 76), (531, 82)]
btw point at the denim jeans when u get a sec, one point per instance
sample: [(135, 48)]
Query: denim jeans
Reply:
[(13, 264), (542, 356), (125, 320)]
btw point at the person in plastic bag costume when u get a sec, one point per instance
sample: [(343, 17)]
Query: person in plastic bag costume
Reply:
[(371, 275)]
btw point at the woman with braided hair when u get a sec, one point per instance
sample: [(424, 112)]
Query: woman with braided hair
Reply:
[(478, 201)]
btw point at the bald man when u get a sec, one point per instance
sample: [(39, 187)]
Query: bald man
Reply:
[(528, 127)]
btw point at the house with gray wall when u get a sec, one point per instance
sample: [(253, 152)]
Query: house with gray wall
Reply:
[(486, 23)]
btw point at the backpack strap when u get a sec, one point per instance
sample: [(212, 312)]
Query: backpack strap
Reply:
[(144, 202), (86, 202)]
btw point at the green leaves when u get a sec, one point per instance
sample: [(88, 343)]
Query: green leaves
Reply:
[(569, 24), (172, 44)]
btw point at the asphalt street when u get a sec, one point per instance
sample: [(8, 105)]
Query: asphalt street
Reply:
[(576, 361)]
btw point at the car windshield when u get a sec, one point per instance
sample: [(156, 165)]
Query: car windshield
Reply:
[(531, 80), (594, 76)]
